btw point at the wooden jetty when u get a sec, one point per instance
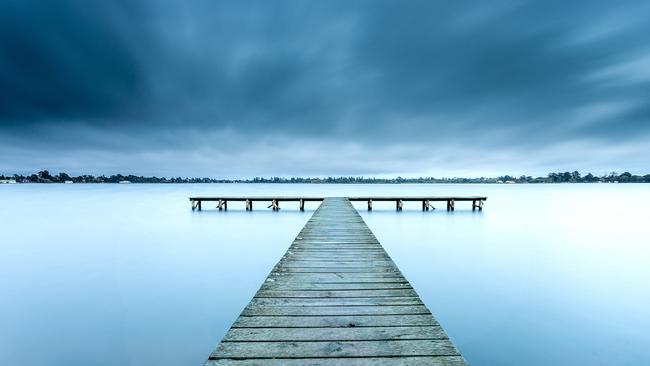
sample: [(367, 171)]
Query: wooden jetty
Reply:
[(427, 202), (336, 299)]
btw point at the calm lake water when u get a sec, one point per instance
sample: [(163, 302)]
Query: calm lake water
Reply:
[(129, 275)]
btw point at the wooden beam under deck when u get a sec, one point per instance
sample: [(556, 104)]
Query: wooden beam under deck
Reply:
[(222, 202)]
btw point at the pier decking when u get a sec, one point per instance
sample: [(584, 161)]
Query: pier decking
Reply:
[(427, 202), (335, 299)]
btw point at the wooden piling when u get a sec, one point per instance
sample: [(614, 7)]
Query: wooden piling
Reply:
[(222, 205), (451, 204), (478, 205)]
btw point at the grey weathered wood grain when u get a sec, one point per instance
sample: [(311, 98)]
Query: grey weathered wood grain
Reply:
[(337, 270), (340, 257), (335, 310), (349, 301), (365, 361), (334, 334), (334, 270), (335, 298), (334, 321), (428, 347), (335, 277), (341, 293), (311, 286)]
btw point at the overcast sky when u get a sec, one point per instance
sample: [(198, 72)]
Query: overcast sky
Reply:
[(374, 88)]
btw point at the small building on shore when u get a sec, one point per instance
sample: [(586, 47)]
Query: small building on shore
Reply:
[(7, 181)]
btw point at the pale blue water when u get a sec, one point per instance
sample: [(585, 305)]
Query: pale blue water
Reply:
[(129, 275)]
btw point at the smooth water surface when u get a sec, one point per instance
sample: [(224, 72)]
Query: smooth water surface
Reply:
[(129, 275)]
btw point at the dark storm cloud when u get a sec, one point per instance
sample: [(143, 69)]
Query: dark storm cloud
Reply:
[(62, 60), (434, 85)]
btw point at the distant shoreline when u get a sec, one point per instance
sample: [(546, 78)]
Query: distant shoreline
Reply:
[(560, 177)]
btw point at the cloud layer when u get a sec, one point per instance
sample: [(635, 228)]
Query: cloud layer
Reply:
[(338, 87)]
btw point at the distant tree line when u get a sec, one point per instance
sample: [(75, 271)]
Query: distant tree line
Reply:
[(44, 176)]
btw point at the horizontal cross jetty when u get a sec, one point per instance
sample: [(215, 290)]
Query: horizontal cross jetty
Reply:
[(336, 298), (222, 202)]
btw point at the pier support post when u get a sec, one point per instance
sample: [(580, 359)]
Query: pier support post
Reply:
[(450, 205), (426, 205), (302, 204), (479, 205), (369, 205), (222, 205), (194, 205), (399, 204), (199, 206), (249, 205)]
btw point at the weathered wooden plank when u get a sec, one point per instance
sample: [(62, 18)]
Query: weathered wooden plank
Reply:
[(356, 242), (331, 238), (336, 277), (257, 310), (334, 334), (343, 275), (330, 234), (311, 286), (334, 251), (340, 240), (334, 248), (334, 321), (337, 248), (345, 258), (337, 263), (347, 301), (337, 270), (361, 361), (426, 347), (341, 293), (336, 266), (341, 256)]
